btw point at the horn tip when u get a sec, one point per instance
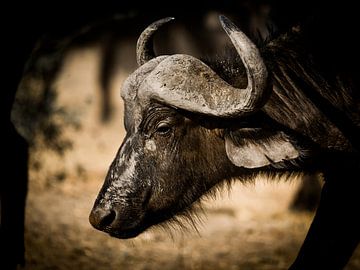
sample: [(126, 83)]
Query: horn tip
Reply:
[(144, 49), (226, 24), (167, 19), (223, 19)]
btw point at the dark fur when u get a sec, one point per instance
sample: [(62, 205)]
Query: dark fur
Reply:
[(305, 100)]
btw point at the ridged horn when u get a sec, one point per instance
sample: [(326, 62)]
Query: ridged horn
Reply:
[(187, 83), (256, 71), (144, 45)]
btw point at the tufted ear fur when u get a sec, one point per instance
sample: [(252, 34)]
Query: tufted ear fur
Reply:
[(254, 147)]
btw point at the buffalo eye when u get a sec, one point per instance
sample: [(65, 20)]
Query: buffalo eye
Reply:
[(163, 128)]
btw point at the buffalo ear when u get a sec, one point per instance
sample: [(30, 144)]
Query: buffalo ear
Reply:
[(250, 152)]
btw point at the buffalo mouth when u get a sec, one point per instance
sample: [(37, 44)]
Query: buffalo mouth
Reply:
[(150, 219), (127, 233), (122, 229)]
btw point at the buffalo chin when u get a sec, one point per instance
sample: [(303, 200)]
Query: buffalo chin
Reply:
[(134, 231), (128, 234), (150, 220)]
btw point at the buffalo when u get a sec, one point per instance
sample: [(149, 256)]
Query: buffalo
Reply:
[(193, 125)]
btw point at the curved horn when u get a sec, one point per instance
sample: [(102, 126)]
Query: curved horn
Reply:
[(254, 65), (185, 82), (144, 46)]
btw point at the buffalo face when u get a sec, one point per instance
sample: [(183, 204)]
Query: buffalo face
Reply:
[(171, 156), (162, 167)]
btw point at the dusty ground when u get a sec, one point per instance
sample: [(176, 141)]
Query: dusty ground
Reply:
[(250, 229)]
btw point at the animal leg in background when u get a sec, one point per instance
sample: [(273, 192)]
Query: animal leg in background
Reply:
[(307, 196), (334, 233)]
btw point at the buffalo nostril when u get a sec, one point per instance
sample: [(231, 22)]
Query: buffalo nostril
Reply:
[(101, 218), (108, 219)]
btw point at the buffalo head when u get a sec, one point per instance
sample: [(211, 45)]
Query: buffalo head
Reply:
[(180, 118)]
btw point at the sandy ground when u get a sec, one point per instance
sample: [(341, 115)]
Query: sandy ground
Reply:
[(249, 229)]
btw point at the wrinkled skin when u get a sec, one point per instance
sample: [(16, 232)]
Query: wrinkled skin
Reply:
[(144, 187)]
